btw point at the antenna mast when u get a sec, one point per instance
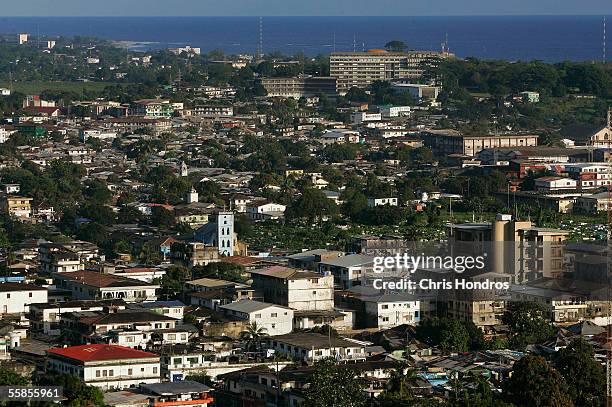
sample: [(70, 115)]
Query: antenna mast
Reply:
[(604, 40), (260, 52)]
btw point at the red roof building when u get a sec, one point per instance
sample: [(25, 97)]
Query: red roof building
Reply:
[(106, 366), (99, 352)]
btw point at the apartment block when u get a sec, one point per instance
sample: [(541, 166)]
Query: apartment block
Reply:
[(360, 69)]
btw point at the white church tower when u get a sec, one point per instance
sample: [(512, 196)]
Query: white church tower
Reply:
[(184, 169), (225, 233), (192, 196)]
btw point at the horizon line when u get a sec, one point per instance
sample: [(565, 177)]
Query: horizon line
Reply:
[(307, 15)]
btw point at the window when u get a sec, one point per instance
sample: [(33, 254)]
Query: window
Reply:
[(385, 306), (172, 336), (30, 295), (155, 370), (385, 319), (273, 315), (8, 296), (97, 373), (257, 315), (111, 372), (129, 372)]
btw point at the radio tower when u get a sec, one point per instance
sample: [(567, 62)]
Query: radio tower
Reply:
[(604, 42), (260, 51)]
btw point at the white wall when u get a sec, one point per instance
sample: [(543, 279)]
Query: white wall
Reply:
[(276, 320), (13, 302), (390, 314)]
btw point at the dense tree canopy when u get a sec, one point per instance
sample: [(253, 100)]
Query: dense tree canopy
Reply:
[(535, 383)]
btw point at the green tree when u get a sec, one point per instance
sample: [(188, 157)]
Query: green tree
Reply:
[(162, 218), (221, 270), (535, 383), (9, 377), (97, 191), (312, 205), (77, 392), (333, 385), (253, 335), (585, 376), (528, 323), (93, 232), (355, 202), (396, 46), (451, 334)]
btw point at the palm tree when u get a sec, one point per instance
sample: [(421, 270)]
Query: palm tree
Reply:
[(253, 334)]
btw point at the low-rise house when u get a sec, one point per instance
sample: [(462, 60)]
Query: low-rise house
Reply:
[(91, 285), (310, 259), (274, 319), (389, 111), (265, 210), (590, 175), (563, 300), (348, 270), (105, 366), (152, 108), (389, 310), (192, 253), (45, 317), (340, 136), (55, 258), (374, 202), (593, 203), (144, 274), (15, 298), (293, 288), (550, 184), (173, 309), (212, 111), (185, 393), (19, 207), (311, 347), (362, 117), (380, 309)]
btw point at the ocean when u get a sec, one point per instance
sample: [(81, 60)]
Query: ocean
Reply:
[(512, 38)]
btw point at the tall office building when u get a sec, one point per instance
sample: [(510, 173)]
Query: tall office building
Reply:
[(360, 69)]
